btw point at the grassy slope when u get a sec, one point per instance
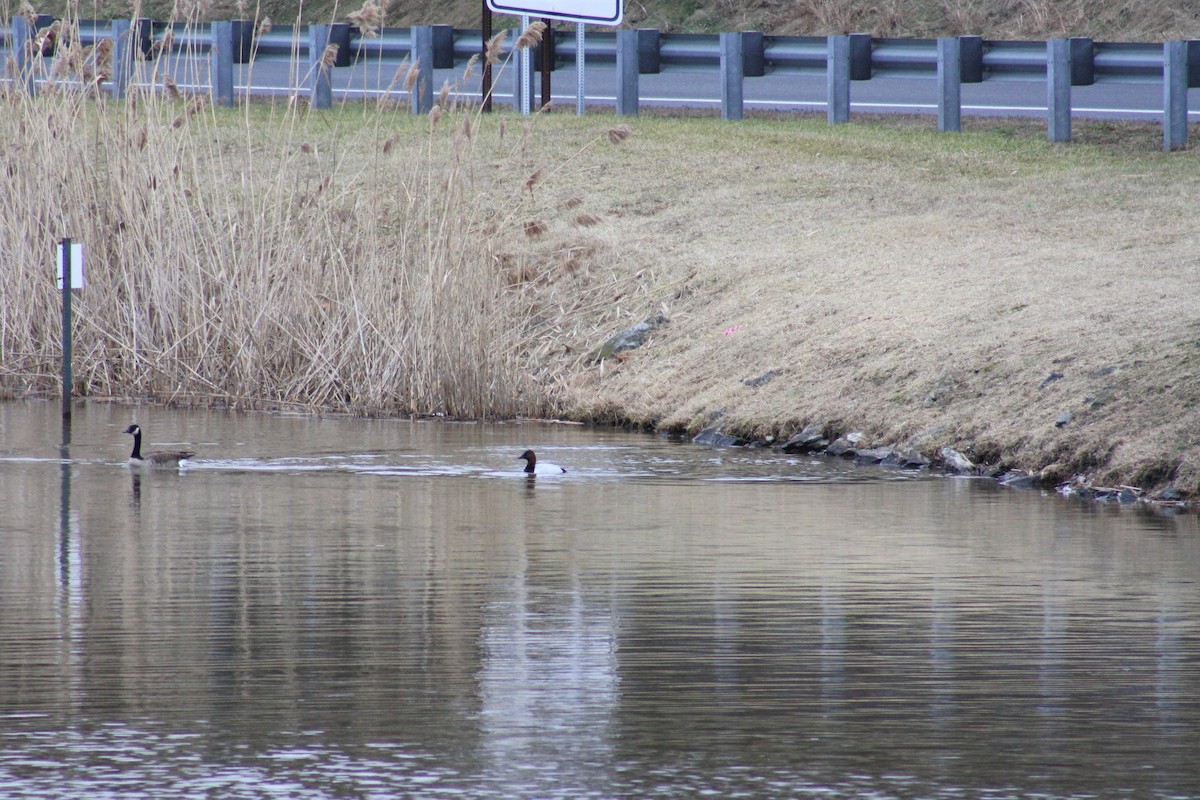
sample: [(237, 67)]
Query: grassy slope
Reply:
[(1113, 20), (927, 290)]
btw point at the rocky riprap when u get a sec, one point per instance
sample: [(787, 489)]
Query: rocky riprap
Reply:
[(813, 440)]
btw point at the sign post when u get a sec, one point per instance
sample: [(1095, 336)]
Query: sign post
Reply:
[(592, 12), (70, 276), (579, 57), (581, 12), (486, 35), (524, 74)]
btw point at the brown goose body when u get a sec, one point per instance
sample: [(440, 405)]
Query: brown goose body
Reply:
[(157, 458)]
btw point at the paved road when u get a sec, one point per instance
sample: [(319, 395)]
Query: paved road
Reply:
[(779, 91)]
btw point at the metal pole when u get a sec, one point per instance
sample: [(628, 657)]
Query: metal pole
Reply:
[(1058, 89), (627, 73), (485, 86), (838, 78), (320, 81), (22, 37), (421, 96), (1175, 100), (122, 57), (67, 386), (732, 75), (949, 75), (579, 59), (547, 59), (524, 74), (221, 57)]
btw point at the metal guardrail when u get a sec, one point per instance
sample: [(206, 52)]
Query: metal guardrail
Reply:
[(861, 57), (1092, 61)]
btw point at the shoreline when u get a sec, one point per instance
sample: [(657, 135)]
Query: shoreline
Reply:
[(1021, 303), (810, 442), (816, 440), (952, 463)]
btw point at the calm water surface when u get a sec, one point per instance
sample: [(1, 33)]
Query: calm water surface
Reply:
[(387, 609)]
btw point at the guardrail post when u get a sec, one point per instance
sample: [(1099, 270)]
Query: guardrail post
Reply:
[(122, 56), (320, 81), (22, 38), (243, 40), (1058, 89), (1175, 104), (970, 51), (837, 73), (220, 60), (754, 58), (143, 36), (1083, 61), (860, 56), (649, 61), (627, 73), (339, 35), (421, 94), (949, 75), (732, 72), (443, 47)]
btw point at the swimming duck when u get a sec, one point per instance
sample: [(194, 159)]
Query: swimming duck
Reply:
[(158, 458), (532, 467)]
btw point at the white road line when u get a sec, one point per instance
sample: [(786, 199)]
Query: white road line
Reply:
[(703, 102), (861, 106)]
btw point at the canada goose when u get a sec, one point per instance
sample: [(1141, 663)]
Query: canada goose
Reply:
[(158, 458), (533, 467)]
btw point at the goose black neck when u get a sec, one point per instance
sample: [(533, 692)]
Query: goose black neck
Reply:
[(137, 446)]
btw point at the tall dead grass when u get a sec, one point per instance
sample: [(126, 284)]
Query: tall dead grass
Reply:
[(354, 259)]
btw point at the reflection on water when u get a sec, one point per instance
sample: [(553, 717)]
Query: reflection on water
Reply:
[(352, 608)]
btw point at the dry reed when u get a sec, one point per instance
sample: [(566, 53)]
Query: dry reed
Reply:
[(619, 133), (494, 50), (368, 19), (531, 35), (227, 265)]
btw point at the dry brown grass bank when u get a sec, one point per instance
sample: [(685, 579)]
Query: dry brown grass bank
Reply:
[(928, 290)]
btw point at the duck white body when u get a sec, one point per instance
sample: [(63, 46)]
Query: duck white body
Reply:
[(158, 458), (532, 467)]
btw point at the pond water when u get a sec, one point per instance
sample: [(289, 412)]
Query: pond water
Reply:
[(342, 608)]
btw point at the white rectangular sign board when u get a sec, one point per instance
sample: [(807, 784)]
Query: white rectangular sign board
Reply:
[(76, 265), (592, 12)]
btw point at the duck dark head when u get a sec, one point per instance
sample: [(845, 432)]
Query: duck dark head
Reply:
[(532, 466)]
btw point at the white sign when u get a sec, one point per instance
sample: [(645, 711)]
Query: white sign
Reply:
[(593, 12), (76, 265)]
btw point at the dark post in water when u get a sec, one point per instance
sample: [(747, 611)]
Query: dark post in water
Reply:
[(66, 329)]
